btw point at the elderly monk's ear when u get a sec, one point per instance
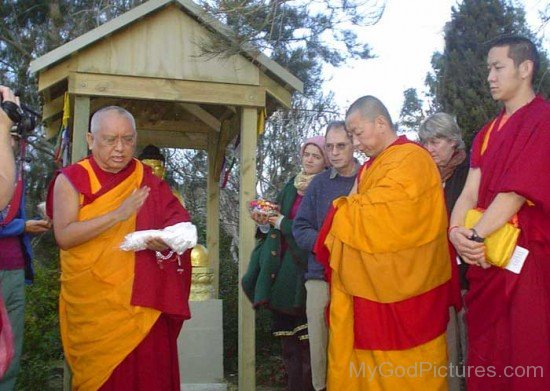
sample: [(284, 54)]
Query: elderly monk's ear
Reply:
[(89, 140), (381, 122)]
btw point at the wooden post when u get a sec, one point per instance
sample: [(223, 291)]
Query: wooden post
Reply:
[(247, 191), (213, 210), (81, 114)]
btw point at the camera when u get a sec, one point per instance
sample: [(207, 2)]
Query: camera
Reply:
[(24, 118)]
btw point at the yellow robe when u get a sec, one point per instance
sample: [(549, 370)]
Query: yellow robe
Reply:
[(388, 244), (99, 327)]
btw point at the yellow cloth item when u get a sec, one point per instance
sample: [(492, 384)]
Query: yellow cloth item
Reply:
[(500, 245), (421, 368), (99, 327), (388, 242), (66, 110), (260, 125)]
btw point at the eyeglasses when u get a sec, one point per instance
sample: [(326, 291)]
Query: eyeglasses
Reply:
[(112, 141), (338, 147)]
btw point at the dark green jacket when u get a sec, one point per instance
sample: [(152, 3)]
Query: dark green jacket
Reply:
[(274, 281)]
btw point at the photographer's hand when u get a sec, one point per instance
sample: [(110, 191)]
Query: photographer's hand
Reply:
[(6, 95), (7, 162), (37, 226)]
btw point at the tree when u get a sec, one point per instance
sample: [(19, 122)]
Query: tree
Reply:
[(412, 113), (458, 83), (299, 35)]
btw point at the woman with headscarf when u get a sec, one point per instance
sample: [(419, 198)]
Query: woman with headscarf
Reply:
[(275, 276), (441, 136)]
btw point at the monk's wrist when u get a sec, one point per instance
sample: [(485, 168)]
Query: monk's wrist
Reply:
[(118, 216)]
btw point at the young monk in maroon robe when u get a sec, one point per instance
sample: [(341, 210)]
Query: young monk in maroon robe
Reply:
[(120, 312), (508, 314)]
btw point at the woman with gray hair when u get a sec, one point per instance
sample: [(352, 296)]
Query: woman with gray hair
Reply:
[(441, 136)]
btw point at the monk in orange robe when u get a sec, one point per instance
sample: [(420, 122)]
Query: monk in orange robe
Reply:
[(386, 250), (120, 312)]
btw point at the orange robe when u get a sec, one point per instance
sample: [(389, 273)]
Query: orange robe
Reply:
[(111, 299), (390, 277)]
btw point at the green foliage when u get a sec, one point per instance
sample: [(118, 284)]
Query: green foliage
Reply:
[(229, 289), (412, 114), (458, 84), (270, 368), (268, 362), (278, 151), (42, 352)]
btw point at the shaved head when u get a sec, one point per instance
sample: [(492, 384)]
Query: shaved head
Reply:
[(370, 125), (98, 116), (369, 108)]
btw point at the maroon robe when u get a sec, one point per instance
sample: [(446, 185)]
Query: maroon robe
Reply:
[(153, 364), (508, 315)]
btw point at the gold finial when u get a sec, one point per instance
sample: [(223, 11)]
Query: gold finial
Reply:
[(199, 256), (156, 165), (201, 275)]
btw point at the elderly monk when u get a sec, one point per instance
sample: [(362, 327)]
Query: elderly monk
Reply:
[(389, 264), (120, 312)]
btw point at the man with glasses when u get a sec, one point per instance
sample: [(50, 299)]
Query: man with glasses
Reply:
[(324, 188), (120, 312)]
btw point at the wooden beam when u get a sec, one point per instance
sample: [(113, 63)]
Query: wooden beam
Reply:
[(223, 140), (203, 115), (81, 122), (54, 75), (233, 128), (170, 139), (103, 102), (92, 36), (247, 191), (52, 108), (213, 212), (52, 128), (173, 126), (166, 90), (278, 92)]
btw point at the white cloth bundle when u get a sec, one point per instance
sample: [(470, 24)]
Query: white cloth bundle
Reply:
[(178, 237)]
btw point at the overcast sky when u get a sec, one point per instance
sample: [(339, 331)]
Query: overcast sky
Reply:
[(404, 39)]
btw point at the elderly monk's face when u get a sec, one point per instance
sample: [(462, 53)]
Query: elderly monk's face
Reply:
[(367, 135), (114, 144)]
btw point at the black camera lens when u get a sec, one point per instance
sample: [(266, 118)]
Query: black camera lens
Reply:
[(13, 111), (23, 117)]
